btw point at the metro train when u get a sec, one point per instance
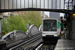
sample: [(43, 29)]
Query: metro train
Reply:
[(51, 29)]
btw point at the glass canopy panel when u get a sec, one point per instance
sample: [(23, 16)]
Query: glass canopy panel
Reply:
[(22, 3), (50, 4), (26, 3), (46, 4), (38, 4), (58, 4), (34, 3), (2, 4), (18, 4), (14, 5), (62, 4), (42, 4), (30, 4), (6, 5), (10, 4)]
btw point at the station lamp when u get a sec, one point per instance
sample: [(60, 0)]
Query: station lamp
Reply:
[(73, 15)]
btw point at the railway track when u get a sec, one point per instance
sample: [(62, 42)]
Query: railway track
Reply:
[(35, 43), (46, 47), (26, 44), (32, 46), (15, 43)]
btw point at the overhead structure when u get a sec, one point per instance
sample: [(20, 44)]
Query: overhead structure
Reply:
[(1, 24), (48, 5), (43, 4)]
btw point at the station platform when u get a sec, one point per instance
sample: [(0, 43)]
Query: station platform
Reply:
[(65, 44)]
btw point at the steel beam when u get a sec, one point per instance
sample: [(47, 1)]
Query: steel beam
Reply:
[(0, 28), (0, 4)]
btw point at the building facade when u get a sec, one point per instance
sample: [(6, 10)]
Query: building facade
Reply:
[(54, 15)]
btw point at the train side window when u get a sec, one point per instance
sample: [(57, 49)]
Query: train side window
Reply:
[(49, 25)]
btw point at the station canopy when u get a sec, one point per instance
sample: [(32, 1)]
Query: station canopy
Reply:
[(52, 5)]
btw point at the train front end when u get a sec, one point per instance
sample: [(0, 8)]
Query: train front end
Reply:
[(49, 32)]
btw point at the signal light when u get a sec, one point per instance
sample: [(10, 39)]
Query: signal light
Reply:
[(61, 18)]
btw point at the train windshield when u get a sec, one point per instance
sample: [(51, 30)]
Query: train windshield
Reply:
[(49, 25)]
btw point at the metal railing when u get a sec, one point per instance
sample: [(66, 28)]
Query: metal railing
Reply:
[(13, 35)]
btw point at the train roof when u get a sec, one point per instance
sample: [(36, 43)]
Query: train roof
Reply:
[(51, 19)]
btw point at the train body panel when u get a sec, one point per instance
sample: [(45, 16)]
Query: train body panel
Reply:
[(51, 29), (58, 27), (49, 33)]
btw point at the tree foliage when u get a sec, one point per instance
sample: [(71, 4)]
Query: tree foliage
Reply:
[(19, 22)]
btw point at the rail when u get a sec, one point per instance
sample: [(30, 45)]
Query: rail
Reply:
[(26, 42)]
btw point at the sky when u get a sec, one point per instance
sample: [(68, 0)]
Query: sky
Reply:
[(47, 13)]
